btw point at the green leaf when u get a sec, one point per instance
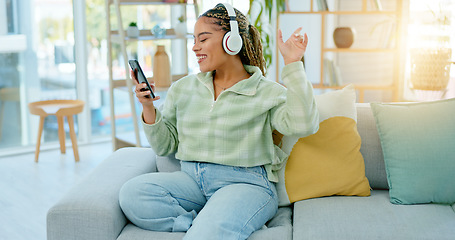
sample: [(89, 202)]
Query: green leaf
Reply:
[(263, 24)]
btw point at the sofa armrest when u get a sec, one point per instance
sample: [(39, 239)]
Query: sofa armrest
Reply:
[(90, 210)]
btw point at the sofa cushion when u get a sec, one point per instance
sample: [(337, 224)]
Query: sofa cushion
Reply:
[(132, 232), (373, 217), (328, 162), (279, 227), (371, 147), (418, 142)]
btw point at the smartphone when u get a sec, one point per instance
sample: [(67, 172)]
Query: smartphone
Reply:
[(134, 64)]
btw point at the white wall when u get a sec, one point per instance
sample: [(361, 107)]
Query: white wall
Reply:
[(311, 24)]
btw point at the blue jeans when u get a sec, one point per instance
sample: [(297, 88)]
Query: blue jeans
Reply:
[(208, 201)]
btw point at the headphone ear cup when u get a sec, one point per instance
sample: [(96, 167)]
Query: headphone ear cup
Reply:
[(232, 43)]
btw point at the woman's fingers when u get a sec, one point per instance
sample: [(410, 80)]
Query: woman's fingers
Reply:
[(141, 90), (295, 46), (303, 40), (280, 37), (143, 93), (297, 31), (133, 76)]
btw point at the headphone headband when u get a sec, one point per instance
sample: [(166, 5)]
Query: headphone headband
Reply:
[(230, 10)]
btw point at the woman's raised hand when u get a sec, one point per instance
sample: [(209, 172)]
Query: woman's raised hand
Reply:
[(293, 49)]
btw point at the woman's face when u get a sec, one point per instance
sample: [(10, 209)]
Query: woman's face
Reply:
[(208, 47)]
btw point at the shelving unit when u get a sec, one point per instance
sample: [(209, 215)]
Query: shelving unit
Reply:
[(119, 36), (395, 50)]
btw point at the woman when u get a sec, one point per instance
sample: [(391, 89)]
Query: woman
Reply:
[(220, 122)]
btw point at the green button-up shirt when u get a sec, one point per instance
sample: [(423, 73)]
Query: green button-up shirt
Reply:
[(236, 129)]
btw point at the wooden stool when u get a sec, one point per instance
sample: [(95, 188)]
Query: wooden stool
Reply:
[(60, 108)]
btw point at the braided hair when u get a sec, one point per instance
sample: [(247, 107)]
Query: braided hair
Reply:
[(251, 52)]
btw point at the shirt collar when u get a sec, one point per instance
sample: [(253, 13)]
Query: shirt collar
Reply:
[(245, 87)]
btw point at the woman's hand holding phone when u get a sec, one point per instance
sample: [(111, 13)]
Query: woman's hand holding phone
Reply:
[(142, 93)]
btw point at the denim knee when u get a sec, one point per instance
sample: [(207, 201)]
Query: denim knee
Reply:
[(149, 205), (234, 212), (129, 199)]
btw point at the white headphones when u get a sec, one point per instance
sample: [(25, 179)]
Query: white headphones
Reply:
[(232, 42)]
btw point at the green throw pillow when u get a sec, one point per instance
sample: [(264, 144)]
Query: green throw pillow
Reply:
[(418, 142)]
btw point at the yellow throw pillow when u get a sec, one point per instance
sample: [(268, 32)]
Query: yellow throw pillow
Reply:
[(328, 162)]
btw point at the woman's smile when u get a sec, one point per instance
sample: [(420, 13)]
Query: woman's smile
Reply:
[(200, 57)]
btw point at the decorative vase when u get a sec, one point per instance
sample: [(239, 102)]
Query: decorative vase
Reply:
[(343, 37), (161, 68), (132, 32)]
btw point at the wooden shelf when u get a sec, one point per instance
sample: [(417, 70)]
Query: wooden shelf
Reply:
[(146, 35), (396, 15), (358, 87), (152, 37), (120, 83), (148, 2), (318, 85), (360, 12), (361, 50), (116, 83), (157, 89), (120, 36), (127, 139)]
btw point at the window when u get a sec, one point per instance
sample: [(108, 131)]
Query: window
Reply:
[(430, 36), (48, 66)]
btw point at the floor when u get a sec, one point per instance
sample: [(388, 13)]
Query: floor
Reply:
[(29, 189)]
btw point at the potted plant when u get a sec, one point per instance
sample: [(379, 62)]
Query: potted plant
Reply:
[(180, 28), (132, 30)]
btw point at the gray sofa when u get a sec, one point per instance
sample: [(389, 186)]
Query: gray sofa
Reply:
[(90, 210)]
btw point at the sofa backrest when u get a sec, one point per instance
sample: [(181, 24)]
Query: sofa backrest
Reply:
[(371, 147)]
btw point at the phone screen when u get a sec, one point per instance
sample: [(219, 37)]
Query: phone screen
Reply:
[(134, 64)]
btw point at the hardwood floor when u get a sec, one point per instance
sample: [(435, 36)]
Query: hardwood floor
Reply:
[(29, 189)]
